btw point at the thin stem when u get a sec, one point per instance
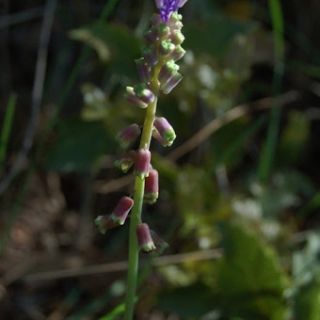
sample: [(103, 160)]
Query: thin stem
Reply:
[(133, 260)]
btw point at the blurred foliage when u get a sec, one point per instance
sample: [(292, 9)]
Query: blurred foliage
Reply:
[(211, 197)]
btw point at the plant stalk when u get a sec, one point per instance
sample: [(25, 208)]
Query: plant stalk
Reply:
[(133, 260)]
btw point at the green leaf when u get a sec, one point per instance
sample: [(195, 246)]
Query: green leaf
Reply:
[(250, 278), (78, 146), (113, 43), (307, 302)]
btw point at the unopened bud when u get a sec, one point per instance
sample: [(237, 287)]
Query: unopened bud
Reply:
[(145, 241), (171, 83), (150, 56), (142, 163), (152, 187), (178, 53), (177, 37), (126, 161), (167, 47), (134, 99), (145, 94), (121, 211), (167, 71), (165, 131), (129, 135), (118, 216)]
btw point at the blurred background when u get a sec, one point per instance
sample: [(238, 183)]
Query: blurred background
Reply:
[(239, 190)]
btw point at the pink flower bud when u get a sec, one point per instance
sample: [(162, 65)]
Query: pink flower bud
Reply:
[(144, 238), (142, 163), (171, 83), (118, 216), (121, 211), (152, 187), (165, 130), (129, 135), (145, 94), (134, 99)]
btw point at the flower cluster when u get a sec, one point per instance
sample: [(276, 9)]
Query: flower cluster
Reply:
[(158, 73)]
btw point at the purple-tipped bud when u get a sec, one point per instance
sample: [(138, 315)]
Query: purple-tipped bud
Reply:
[(150, 56), (165, 131), (126, 162), (134, 99), (121, 211), (129, 135), (143, 70), (167, 47), (177, 37), (142, 163), (168, 71), (172, 83), (145, 94), (145, 241), (118, 216), (152, 187), (178, 53)]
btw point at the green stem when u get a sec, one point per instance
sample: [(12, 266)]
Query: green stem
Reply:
[(133, 260)]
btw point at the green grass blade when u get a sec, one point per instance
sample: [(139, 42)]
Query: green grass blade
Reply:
[(6, 129), (269, 148)]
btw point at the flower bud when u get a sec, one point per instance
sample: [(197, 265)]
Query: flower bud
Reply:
[(167, 71), (121, 211), (177, 37), (145, 94), (150, 56), (165, 131), (178, 53), (134, 99), (172, 83), (167, 47), (143, 70), (118, 216), (104, 223), (145, 241), (164, 31), (142, 163), (126, 162), (152, 187), (129, 135)]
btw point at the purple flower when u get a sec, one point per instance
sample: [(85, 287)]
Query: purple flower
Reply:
[(167, 7)]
